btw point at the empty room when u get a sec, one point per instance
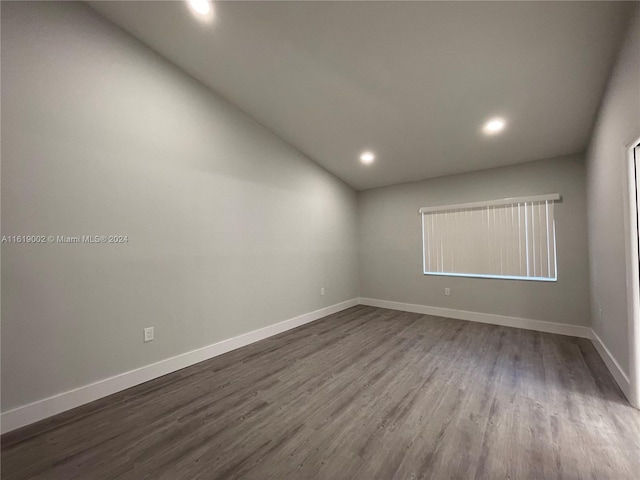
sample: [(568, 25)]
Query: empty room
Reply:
[(326, 240)]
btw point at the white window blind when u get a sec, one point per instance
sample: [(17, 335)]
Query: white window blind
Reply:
[(510, 238)]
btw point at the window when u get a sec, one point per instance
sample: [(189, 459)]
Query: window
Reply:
[(512, 238)]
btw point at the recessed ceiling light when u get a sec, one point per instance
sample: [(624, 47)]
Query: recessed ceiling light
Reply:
[(493, 126), (367, 158), (201, 7)]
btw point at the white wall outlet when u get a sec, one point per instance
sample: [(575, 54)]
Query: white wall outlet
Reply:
[(322, 291), (148, 334), (447, 292)]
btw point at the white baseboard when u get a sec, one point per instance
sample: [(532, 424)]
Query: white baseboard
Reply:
[(612, 364), (619, 376), (526, 323), (62, 402), (33, 412)]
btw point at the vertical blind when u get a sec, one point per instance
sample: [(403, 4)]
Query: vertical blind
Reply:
[(510, 238)]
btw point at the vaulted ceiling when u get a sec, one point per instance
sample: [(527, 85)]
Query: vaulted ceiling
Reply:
[(411, 81)]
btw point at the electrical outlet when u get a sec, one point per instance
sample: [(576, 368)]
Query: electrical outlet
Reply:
[(447, 292), (148, 334), (322, 291)]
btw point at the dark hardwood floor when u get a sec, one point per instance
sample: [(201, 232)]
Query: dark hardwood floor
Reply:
[(367, 393)]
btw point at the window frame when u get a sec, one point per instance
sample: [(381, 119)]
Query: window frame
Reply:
[(554, 197)]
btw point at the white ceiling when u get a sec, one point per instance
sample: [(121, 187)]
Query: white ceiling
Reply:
[(411, 81)]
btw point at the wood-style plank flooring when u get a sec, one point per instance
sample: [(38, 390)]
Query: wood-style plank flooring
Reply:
[(367, 393)]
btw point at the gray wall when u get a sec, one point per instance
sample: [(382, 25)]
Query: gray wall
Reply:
[(618, 124), (391, 248), (229, 228)]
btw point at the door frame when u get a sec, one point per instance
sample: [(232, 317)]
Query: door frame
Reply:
[(633, 271)]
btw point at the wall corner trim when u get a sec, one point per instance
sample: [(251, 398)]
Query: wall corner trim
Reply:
[(41, 409), (612, 364), (516, 322)]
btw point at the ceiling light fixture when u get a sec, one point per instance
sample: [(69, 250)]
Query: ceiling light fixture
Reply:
[(201, 7), (493, 126), (367, 158)]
